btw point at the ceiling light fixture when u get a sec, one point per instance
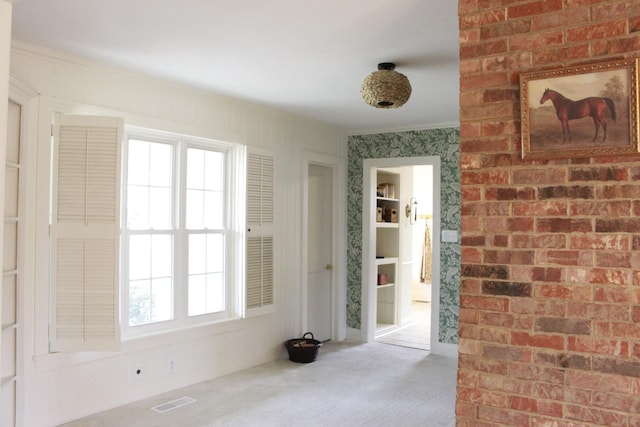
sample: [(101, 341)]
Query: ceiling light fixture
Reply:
[(386, 88)]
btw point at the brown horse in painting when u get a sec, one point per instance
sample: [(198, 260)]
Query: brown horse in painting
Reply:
[(566, 110)]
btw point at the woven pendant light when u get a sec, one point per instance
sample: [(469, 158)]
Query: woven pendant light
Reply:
[(386, 88)]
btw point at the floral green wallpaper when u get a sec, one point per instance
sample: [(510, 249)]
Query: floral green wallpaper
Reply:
[(434, 142)]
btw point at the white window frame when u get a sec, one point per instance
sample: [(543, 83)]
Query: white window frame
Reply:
[(235, 220)]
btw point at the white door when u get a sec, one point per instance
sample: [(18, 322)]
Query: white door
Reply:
[(319, 257)]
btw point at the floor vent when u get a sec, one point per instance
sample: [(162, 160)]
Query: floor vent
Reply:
[(170, 406)]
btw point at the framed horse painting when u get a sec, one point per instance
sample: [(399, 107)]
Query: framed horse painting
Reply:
[(582, 111)]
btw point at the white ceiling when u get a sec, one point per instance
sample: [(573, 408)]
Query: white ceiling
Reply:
[(307, 57)]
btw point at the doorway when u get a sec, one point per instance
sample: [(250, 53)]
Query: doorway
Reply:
[(418, 202), (412, 328), (324, 247)]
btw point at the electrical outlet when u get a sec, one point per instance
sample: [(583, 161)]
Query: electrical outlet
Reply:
[(137, 372), (172, 365)]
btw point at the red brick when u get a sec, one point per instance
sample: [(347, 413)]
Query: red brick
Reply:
[(601, 382), (551, 241), (468, 316), (568, 292), (555, 342), (599, 346), (493, 177), (560, 19), (472, 347), (617, 46), (494, 335), (469, 36), (492, 111), (598, 275), (616, 401), (470, 99), (600, 173), (515, 60), (601, 30), (541, 208), (625, 191), (538, 306), (595, 416), (478, 364), (537, 373), (556, 57), (471, 255), (502, 320), (507, 354), (560, 257), (539, 176), (470, 224), (606, 209), (481, 19), (536, 40), (598, 311), (502, 416), (485, 303), (615, 242), (470, 162), (564, 225), (470, 194), (471, 129), (616, 294), (534, 8), (613, 259)]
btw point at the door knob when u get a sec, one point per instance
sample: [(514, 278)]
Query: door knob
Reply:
[(328, 267)]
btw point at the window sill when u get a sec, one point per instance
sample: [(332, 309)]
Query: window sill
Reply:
[(53, 361)]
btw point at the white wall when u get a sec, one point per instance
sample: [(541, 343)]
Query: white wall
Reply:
[(63, 387)]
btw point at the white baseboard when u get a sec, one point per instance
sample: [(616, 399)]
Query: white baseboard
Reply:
[(353, 334)]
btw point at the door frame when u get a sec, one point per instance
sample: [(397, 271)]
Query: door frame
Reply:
[(368, 312), (27, 98), (338, 169)]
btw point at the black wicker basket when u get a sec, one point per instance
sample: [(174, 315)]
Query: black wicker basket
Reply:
[(303, 350)]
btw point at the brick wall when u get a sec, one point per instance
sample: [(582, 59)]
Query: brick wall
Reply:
[(550, 292)]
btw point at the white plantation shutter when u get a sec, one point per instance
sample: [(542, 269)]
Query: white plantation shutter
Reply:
[(85, 230), (260, 205)]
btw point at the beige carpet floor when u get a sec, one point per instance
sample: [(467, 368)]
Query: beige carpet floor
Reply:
[(372, 384)]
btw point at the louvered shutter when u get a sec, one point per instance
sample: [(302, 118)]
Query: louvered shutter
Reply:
[(260, 205), (85, 230)]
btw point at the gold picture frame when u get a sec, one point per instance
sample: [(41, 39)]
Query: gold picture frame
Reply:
[(567, 112)]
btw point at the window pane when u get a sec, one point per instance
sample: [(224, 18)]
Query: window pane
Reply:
[(160, 208), (139, 257), (213, 210), (215, 253), (214, 171), (150, 278), (149, 185), (160, 165), (195, 210), (197, 295), (206, 274), (215, 293), (138, 162), (161, 300), (161, 256), (137, 207), (139, 302), (205, 184), (195, 168)]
